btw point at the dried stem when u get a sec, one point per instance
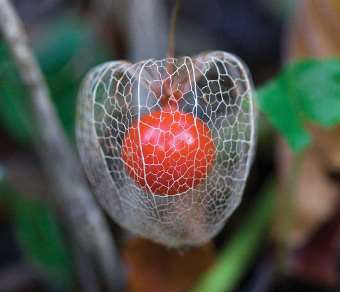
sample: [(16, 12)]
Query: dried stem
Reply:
[(172, 31), (172, 35), (86, 223)]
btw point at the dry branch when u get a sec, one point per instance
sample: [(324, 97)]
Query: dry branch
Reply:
[(86, 222)]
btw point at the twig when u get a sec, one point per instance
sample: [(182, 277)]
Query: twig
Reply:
[(87, 224), (172, 31)]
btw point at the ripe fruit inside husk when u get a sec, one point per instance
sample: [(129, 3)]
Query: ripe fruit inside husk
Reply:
[(168, 152)]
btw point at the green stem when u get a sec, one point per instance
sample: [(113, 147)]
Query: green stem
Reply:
[(241, 249)]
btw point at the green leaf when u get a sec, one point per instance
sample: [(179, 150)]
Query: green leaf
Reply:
[(319, 91), (307, 91), (282, 112), (40, 237), (65, 50), (236, 256)]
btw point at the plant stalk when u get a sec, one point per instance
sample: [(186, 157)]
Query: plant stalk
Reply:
[(87, 225)]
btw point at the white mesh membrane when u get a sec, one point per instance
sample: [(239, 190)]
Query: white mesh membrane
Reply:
[(216, 88)]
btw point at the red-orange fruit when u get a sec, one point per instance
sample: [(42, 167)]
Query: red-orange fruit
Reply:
[(168, 152)]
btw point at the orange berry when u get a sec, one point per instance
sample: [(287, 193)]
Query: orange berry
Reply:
[(168, 152)]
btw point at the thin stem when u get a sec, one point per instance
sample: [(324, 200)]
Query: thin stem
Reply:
[(172, 31), (86, 223)]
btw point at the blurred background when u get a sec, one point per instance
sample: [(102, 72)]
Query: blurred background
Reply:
[(273, 242)]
